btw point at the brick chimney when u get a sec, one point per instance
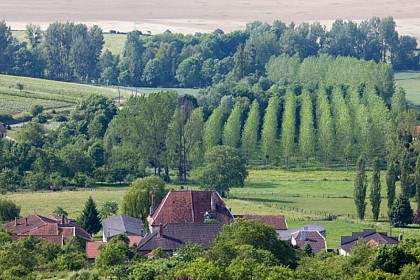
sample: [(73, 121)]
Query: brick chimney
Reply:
[(160, 231), (152, 205), (213, 202), (303, 233)]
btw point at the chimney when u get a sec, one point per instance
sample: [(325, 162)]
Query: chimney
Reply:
[(141, 232), (26, 221), (303, 233), (16, 222), (62, 219), (152, 205), (213, 202), (160, 232)]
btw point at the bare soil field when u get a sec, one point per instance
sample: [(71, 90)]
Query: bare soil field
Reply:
[(190, 16)]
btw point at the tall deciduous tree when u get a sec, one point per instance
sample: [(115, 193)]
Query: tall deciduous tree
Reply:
[(213, 129), (325, 135), (306, 129), (232, 129), (375, 189), (89, 219), (224, 169), (131, 63), (269, 130), (417, 180), (360, 186), (138, 198), (288, 126), (249, 138), (390, 182)]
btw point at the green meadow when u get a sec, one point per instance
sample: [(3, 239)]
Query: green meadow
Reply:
[(303, 197), (410, 81)]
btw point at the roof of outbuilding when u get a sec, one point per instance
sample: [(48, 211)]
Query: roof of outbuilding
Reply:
[(173, 235), (369, 235), (190, 207), (287, 234), (122, 224), (92, 249), (276, 221)]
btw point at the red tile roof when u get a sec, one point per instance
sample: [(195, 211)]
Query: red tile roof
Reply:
[(172, 236), (134, 240), (276, 221), (56, 239), (190, 207), (92, 249), (314, 238), (37, 225)]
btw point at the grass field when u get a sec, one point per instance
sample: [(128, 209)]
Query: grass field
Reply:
[(302, 197), (410, 81)]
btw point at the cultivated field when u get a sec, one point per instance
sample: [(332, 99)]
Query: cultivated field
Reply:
[(301, 196), (186, 16)]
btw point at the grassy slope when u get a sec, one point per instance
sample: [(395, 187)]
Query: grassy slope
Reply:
[(265, 192), (410, 81)]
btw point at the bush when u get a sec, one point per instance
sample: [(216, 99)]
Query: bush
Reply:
[(8, 210), (401, 213), (36, 110)]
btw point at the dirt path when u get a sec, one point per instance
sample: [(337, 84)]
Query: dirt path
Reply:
[(188, 16)]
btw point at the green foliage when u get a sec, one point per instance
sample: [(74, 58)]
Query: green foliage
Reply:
[(249, 138), (213, 129), (401, 213), (360, 186), (189, 252), (89, 218), (138, 198), (36, 110), (269, 130), (115, 253), (306, 130), (224, 169), (390, 182), (108, 209), (392, 258), (232, 128), (8, 210), (375, 189), (325, 135), (288, 126), (227, 245)]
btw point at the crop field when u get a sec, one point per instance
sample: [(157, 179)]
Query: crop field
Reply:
[(302, 197), (50, 94), (410, 81)]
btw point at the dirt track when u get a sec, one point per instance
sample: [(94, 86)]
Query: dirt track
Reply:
[(188, 16)]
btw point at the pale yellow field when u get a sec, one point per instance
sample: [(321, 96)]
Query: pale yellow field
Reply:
[(190, 16)]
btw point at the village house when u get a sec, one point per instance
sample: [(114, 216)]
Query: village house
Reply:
[(314, 238), (122, 224), (52, 228), (172, 236), (189, 207), (277, 221), (286, 235), (371, 236)]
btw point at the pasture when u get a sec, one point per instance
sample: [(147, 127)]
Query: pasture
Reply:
[(410, 81), (302, 197)]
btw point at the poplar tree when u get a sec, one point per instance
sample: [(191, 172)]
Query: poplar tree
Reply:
[(375, 189), (89, 219), (325, 135), (288, 126), (417, 181), (390, 182), (269, 129), (232, 129), (213, 129), (250, 132), (405, 176), (360, 185), (306, 129), (343, 124)]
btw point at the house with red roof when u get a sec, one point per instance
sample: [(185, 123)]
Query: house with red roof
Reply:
[(314, 238), (371, 236), (52, 228), (171, 236), (276, 221), (189, 207)]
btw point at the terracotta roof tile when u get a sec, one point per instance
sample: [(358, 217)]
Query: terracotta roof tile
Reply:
[(92, 249), (135, 239), (56, 239), (190, 207), (276, 221)]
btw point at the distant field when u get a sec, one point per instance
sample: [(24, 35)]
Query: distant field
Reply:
[(410, 81), (303, 197)]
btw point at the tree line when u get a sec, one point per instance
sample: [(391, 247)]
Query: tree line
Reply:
[(74, 52)]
